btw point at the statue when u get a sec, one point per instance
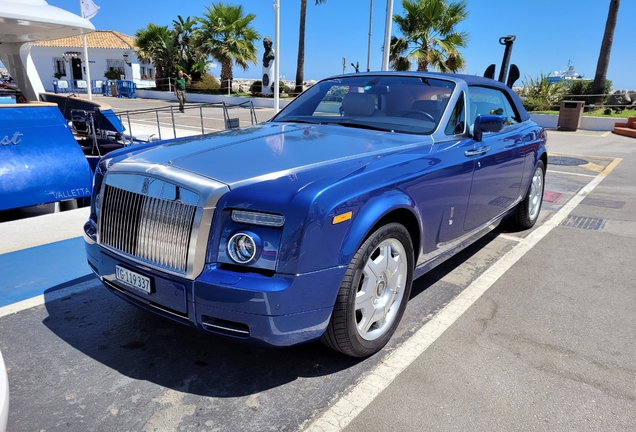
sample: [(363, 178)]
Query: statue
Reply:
[(268, 66)]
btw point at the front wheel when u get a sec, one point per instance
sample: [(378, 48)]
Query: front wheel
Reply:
[(527, 212), (373, 294)]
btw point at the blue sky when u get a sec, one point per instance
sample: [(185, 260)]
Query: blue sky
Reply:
[(549, 33)]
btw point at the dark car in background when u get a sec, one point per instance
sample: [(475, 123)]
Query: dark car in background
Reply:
[(313, 225)]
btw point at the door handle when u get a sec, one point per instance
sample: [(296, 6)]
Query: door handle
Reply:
[(477, 152)]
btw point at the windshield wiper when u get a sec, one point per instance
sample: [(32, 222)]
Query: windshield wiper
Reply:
[(349, 123), (295, 120)]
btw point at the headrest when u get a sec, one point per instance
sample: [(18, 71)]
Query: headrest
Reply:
[(358, 104)]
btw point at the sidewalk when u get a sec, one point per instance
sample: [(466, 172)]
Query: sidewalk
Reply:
[(550, 345), (41, 253)]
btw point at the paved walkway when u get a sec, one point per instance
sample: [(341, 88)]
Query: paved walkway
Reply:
[(161, 118), (550, 344)]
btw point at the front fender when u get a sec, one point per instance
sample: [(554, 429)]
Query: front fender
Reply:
[(327, 244)]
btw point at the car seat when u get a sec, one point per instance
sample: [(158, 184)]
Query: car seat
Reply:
[(360, 105)]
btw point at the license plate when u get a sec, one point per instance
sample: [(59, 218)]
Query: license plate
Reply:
[(132, 279)]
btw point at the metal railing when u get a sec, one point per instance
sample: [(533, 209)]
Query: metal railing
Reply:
[(145, 125)]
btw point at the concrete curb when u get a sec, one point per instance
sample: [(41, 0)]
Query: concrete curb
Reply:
[(587, 123)]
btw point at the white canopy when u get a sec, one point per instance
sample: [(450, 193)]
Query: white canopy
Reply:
[(26, 21), (35, 20)]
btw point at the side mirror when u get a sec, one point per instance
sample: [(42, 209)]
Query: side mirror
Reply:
[(487, 123)]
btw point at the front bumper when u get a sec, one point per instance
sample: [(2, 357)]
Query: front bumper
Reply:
[(278, 310)]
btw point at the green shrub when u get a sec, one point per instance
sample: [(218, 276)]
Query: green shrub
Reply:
[(578, 89), (256, 88), (207, 82), (531, 104), (281, 87), (113, 74), (540, 94)]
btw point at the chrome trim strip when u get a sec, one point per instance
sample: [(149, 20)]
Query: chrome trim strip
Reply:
[(227, 329), (111, 285), (88, 239)]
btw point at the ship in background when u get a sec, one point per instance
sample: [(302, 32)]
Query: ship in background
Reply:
[(567, 75)]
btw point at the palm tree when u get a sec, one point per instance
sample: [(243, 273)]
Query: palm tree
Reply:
[(300, 64), (429, 36), (156, 43), (191, 57), (599, 84), (226, 35)]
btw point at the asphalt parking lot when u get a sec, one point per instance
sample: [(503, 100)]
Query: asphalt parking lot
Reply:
[(521, 331)]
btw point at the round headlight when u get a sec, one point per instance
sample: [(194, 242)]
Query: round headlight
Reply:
[(242, 247)]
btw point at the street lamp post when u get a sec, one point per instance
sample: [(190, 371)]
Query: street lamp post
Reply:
[(276, 55), (387, 35), (88, 66), (370, 30)]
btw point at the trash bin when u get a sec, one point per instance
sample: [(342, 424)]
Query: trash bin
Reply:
[(570, 115), (113, 88)]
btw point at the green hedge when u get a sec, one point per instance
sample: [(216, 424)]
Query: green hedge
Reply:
[(579, 89), (257, 87)]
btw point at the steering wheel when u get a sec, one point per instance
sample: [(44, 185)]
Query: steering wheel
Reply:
[(421, 113)]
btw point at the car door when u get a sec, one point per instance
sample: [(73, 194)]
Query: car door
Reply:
[(442, 189), (499, 161)]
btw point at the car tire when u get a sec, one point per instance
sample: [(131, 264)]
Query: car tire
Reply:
[(373, 293), (527, 211)]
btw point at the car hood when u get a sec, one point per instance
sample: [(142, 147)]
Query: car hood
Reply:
[(271, 150)]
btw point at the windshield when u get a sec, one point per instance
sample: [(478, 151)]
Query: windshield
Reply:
[(389, 103)]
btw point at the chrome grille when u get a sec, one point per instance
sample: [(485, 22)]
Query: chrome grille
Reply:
[(152, 229)]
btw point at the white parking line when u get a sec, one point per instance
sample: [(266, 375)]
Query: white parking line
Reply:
[(570, 173), (509, 237), (352, 403)]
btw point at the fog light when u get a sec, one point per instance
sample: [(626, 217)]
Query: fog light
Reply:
[(243, 247)]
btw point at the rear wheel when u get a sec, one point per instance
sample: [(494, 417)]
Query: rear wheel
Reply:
[(527, 211), (373, 294)]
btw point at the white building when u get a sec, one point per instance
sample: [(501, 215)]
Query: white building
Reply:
[(108, 51)]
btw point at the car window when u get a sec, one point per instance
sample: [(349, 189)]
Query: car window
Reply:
[(331, 102), (483, 100), (407, 104), (457, 122)]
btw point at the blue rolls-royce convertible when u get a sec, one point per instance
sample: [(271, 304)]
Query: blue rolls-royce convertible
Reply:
[(314, 224)]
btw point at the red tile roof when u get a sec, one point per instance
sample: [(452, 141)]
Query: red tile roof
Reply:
[(98, 39)]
